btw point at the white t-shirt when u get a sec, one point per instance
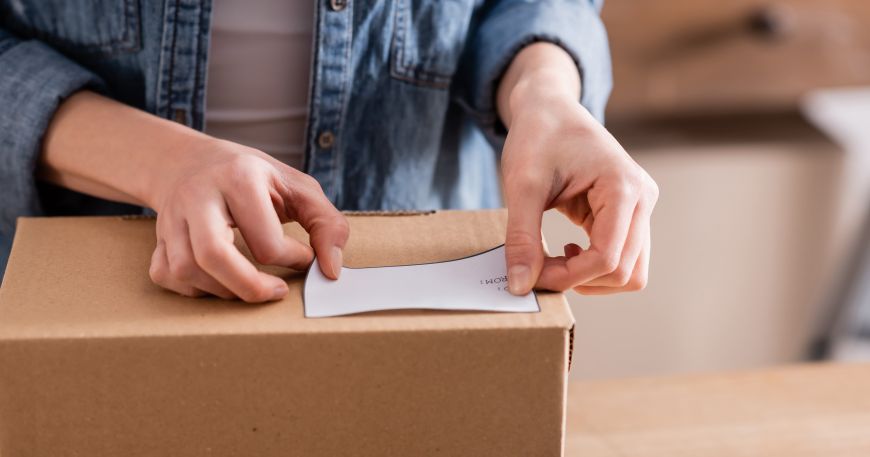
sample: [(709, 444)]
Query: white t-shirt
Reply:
[(258, 75)]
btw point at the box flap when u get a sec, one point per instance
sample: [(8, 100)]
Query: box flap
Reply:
[(88, 277)]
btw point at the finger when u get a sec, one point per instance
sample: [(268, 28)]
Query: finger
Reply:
[(254, 214), (607, 238), (638, 280), (213, 249), (183, 268), (572, 249), (577, 211), (159, 272), (524, 251), (327, 228), (637, 238)]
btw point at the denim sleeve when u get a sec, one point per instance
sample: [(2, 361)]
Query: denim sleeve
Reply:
[(503, 27), (34, 79)]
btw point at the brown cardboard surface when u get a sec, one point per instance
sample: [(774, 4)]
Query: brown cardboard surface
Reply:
[(96, 360), (806, 410)]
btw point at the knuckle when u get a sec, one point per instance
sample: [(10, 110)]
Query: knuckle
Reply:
[(341, 227), (243, 162), (520, 240), (267, 255), (311, 181), (607, 262), (157, 273), (337, 226), (212, 253), (637, 283), (653, 190), (301, 187), (623, 188), (243, 169), (182, 268), (622, 276), (299, 179), (521, 245)]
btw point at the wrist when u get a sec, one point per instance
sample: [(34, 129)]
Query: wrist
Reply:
[(541, 75), (537, 90), (175, 154), (543, 102)]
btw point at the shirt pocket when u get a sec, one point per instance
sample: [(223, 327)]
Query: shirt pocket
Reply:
[(76, 26), (428, 39)]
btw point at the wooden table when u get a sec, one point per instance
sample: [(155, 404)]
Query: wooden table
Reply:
[(800, 411)]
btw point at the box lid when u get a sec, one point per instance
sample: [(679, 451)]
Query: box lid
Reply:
[(88, 277)]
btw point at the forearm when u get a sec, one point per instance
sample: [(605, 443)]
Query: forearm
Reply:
[(104, 148), (540, 73)]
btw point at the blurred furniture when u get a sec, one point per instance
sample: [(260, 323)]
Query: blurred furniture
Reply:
[(807, 411), (757, 213), (738, 274), (849, 339), (843, 115), (688, 56)]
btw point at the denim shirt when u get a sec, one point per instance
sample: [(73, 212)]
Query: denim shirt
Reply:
[(401, 115)]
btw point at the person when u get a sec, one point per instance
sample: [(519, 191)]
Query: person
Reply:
[(250, 114)]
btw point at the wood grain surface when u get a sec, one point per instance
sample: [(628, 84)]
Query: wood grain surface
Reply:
[(799, 411)]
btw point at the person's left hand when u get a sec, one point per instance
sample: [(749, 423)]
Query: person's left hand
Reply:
[(558, 156)]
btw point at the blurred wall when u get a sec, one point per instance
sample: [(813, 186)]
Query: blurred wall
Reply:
[(736, 275), (702, 56), (707, 99)]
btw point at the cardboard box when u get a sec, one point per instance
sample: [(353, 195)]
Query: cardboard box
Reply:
[(95, 360)]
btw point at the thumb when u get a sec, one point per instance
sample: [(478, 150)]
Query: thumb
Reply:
[(327, 228), (328, 235), (524, 249)]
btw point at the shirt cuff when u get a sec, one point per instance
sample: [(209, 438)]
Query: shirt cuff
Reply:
[(508, 27), (34, 80)]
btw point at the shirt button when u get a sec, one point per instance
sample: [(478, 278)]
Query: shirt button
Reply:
[(326, 139), (337, 5)]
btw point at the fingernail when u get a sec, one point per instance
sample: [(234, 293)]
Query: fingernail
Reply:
[(280, 292), (337, 260), (518, 279)]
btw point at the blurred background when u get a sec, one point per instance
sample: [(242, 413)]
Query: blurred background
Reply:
[(754, 118)]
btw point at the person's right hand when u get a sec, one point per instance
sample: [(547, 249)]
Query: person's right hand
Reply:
[(217, 185)]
